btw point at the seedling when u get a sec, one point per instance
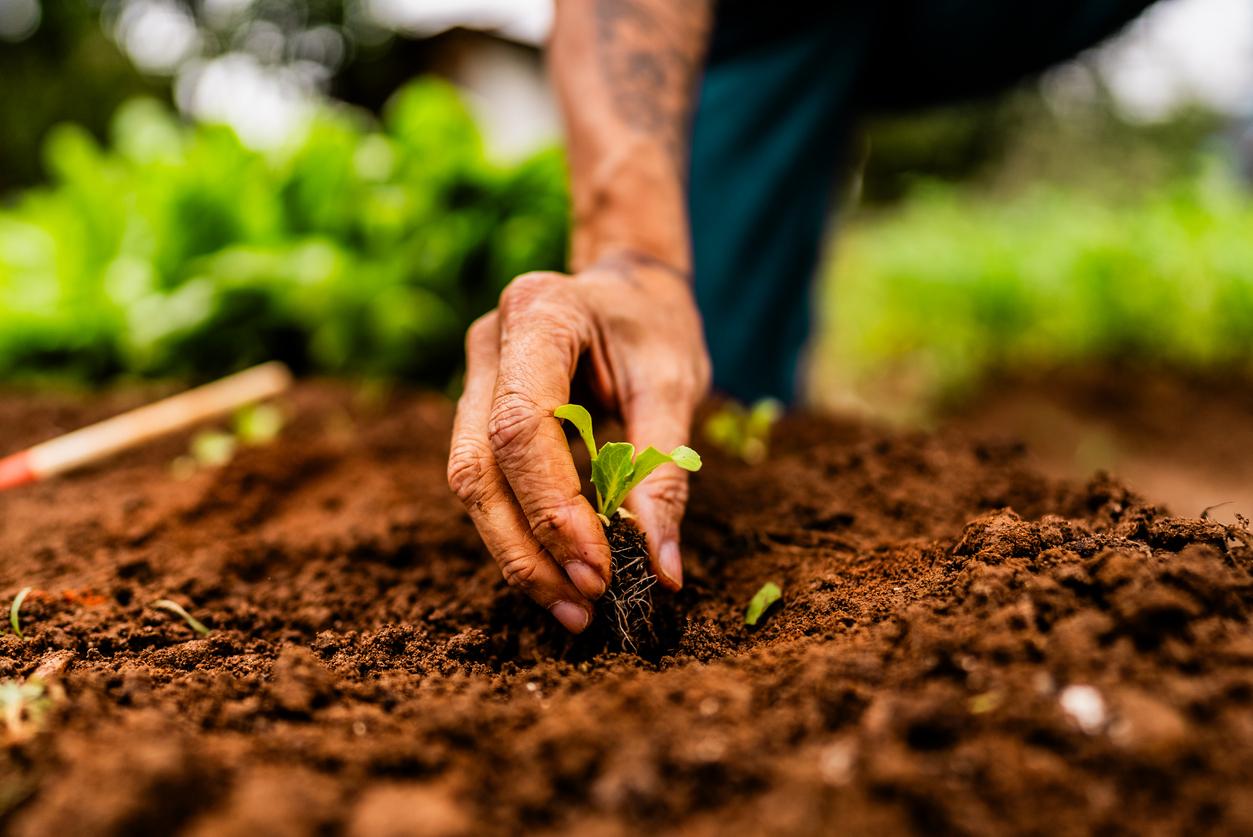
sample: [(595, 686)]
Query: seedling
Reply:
[(253, 425), (258, 424), (213, 448), (744, 433), (15, 610), (616, 469), (178, 610), (761, 602), (23, 706)]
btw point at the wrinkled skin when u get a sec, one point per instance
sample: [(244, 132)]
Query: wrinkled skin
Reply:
[(510, 464)]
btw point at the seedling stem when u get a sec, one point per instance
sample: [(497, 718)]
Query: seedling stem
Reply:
[(15, 611), (177, 609)]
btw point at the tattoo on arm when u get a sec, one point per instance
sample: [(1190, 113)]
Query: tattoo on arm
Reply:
[(650, 54)]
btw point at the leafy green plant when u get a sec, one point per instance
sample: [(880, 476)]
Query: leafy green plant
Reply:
[(178, 610), (364, 246), (15, 610), (922, 303), (744, 432), (761, 602), (616, 469)]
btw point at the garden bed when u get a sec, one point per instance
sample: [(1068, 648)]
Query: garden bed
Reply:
[(938, 662)]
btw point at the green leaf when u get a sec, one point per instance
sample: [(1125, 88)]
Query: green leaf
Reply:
[(685, 458), (611, 474), (647, 462), (766, 596), (15, 610), (582, 421), (651, 459)]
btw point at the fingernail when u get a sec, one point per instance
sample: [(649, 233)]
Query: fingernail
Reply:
[(570, 615), (671, 562), (585, 578)]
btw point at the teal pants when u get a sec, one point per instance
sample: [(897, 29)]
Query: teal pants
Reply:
[(785, 83)]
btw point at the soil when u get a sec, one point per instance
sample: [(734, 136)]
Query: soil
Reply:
[(964, 645), (1183, 438)]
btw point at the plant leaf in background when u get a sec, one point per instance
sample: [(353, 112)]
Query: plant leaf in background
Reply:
[(213, 448), (761, 602), (258, 424), (744, 432)]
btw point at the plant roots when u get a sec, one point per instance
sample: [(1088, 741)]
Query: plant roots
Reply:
[(627, 606)]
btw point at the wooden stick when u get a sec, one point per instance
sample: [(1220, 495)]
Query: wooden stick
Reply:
[(97, 441)]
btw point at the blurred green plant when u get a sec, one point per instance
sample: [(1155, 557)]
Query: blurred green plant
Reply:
[(23, 707), (361, 248), (761, 602), (924, 302), (744, 432)]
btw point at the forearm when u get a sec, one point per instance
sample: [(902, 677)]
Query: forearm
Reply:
[(626, 73)]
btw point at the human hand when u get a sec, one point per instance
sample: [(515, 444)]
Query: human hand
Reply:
[(509, 463)]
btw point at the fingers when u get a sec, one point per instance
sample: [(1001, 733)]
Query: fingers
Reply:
[(660, 500), (477, 480), (542, 331)]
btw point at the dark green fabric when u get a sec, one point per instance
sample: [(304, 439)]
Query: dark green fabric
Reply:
[(783, 87)]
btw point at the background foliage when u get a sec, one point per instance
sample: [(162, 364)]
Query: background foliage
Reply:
[(980, 237), (362, 247), (923, 302)]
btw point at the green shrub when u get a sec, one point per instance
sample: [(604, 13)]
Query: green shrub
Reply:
[(361, 248), (925, 301)]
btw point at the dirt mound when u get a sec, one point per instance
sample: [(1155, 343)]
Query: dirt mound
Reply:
[(1181, 437), (963, 645)]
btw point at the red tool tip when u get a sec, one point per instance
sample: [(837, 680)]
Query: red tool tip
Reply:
[(15, 470)]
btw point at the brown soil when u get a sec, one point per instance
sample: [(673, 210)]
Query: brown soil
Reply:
[(1182, 438), (368, 673)]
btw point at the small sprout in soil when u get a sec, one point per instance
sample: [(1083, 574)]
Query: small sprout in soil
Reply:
[(744, 433), (177, 609), (213, 448), (1205, 511), (258, 424), (761, 602), (15, 611), (23, 706), (616, 469)]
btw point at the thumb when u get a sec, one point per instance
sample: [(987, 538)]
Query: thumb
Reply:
[(660, 500)]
